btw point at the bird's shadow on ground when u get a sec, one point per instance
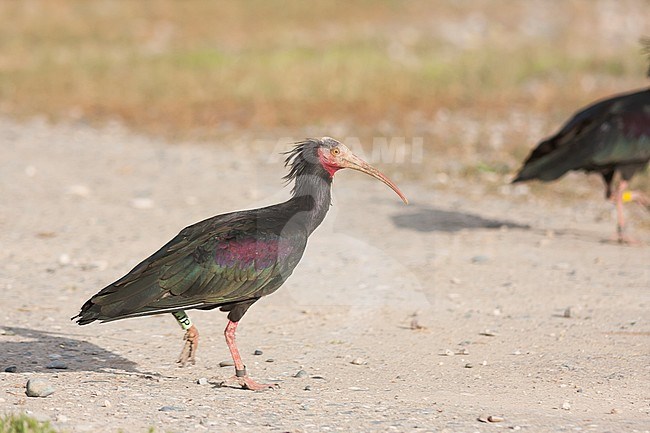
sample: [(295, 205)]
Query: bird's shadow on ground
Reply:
[(426, 219), (31, 350)]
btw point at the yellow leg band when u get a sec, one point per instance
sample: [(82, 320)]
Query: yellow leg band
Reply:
[(183, 319), (626, 196)]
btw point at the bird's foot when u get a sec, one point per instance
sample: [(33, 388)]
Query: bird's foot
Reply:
[(627, 240), (246, 382), (622, 239), (188, 354)]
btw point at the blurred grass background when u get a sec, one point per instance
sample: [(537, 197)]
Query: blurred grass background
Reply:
[(479, 81)]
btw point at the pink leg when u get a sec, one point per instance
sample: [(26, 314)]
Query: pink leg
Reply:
[(241, 377), (619, 200), (620, 217)]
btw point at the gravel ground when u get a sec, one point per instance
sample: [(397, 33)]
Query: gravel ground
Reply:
[(427, 317)]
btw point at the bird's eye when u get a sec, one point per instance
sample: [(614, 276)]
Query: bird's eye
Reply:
[(335, 151)]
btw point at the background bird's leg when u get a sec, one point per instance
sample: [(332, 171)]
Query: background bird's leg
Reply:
[(620, 198), (191, 338), (620, 217), (241, 376)]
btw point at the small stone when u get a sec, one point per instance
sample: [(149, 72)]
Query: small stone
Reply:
[(11, 369), (494, 418), (415, 325), (480, 259), (171, 409), (38, 388), (64, 259), (106, 403), (258, 352), (614, 411), (487, 333), (483, 418), (469, 365), (57, 365), (566, 405), (307, 388), (270, 360), (202, 381), (448, 352), (567, 313), (78, 190), (516, 352), (226, 364), (300, 373), (142, 203), (358, 361), (462, 351)]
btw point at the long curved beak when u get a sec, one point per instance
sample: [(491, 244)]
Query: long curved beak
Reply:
[(354, 162)]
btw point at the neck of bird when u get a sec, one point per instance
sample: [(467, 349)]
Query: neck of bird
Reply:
[(313, 196)]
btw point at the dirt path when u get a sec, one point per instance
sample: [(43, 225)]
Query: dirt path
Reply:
[(490, 279)]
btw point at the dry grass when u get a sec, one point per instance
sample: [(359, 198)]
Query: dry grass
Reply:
[(480, 81)]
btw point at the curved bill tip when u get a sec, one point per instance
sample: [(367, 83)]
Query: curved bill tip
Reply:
[(354, 162)]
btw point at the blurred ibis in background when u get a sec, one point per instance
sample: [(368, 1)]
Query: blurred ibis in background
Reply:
[(230, 261), (610, 137)]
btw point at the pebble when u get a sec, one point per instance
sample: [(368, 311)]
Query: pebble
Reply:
[(469, 365), (258, 352), (57, 364), (307, 388), (64, 259), (463, 351), (202, 381), (226, 364), (300, 373), (142, 203), (270, 360), (448, 352), (487, 333), (358, 361), (490, 418), (38, 388), (567, 313), (11, 369), (566, 405), (171, 409), (106, 403), (479, 259)]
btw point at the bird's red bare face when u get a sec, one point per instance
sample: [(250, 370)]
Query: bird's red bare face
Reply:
[(335, 156)]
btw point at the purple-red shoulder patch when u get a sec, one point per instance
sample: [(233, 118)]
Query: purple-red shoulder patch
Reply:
[(246, 252)]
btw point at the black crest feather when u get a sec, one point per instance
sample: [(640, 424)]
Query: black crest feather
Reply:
[(303, 160)]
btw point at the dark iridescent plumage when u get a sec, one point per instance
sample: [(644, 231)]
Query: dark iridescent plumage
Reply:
[(610, 135), (229, 261)]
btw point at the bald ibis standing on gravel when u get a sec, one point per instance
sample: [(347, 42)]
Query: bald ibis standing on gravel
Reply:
[(230, 261), (610, 137)]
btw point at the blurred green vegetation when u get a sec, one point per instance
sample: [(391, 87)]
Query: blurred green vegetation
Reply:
[(480, 82), (176, 67), (23, 424)]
